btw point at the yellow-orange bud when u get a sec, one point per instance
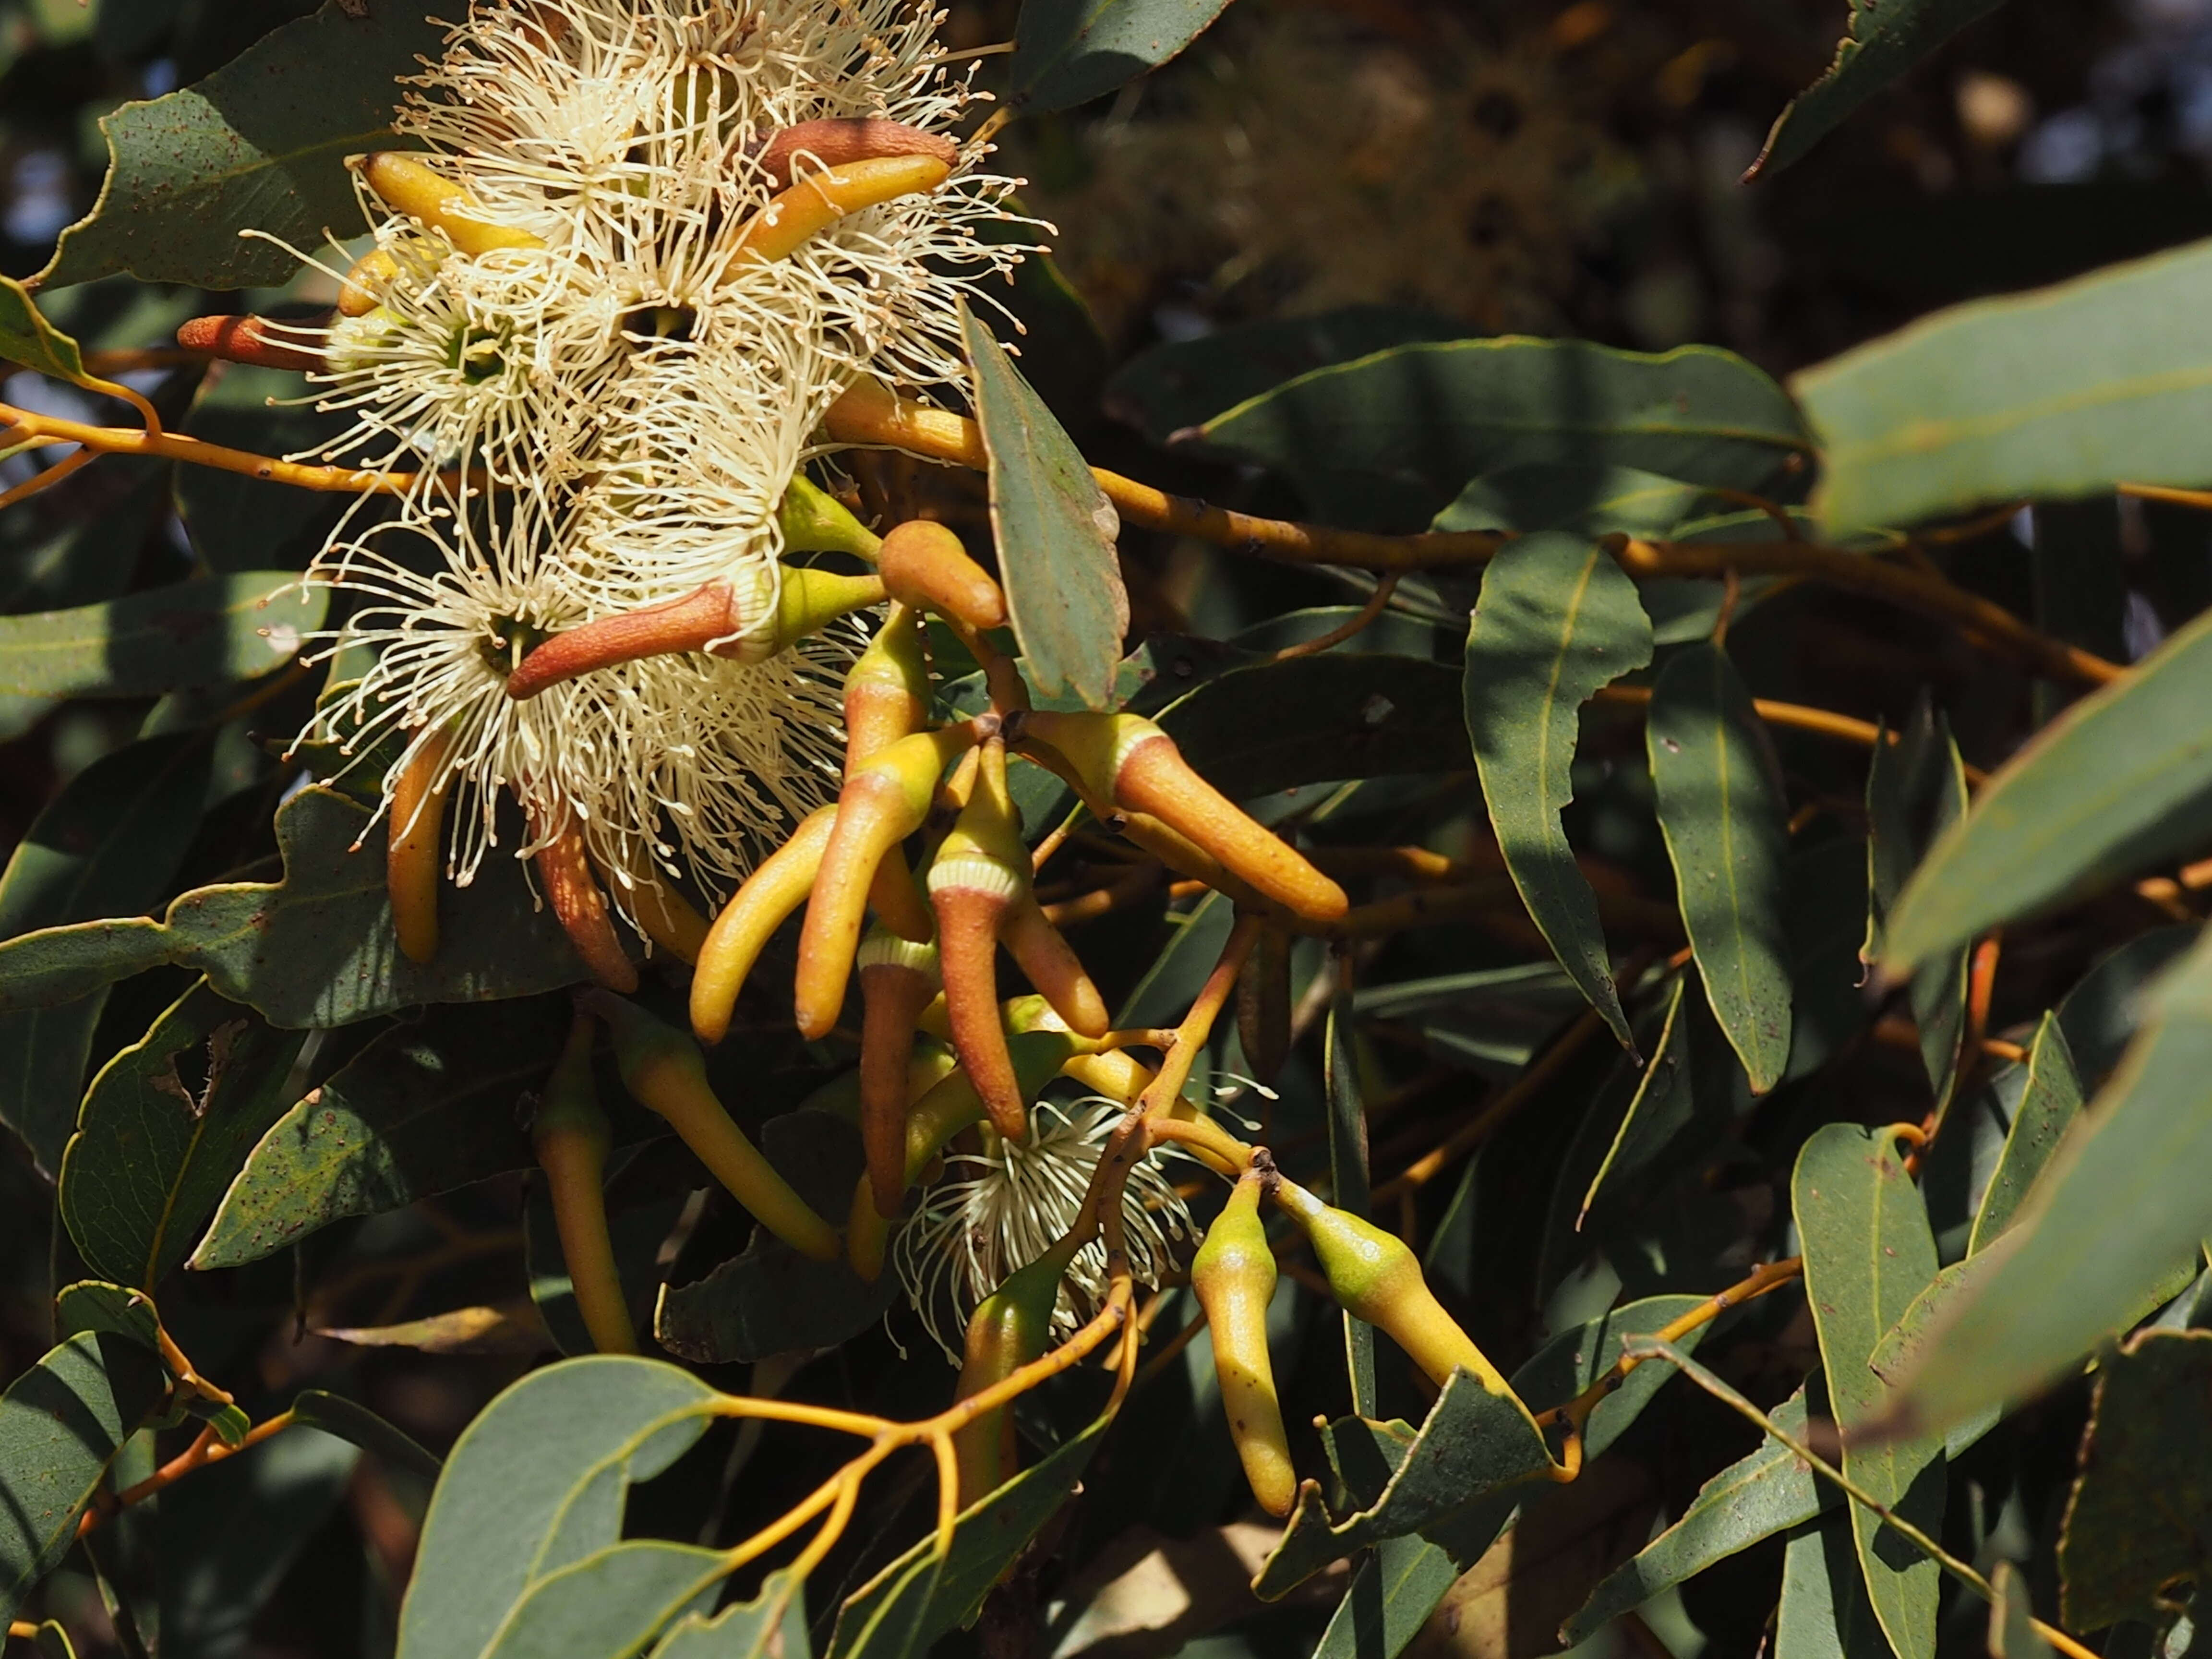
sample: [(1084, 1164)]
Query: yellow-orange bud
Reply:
[(1233, 1276), (411, 862), (571, 1137), (1013, 1327), (818, 200), (897, 980), (406, 185), (836, 141), (887, 688), (776, 888), (572, 894), (363, 288), (924, 565)]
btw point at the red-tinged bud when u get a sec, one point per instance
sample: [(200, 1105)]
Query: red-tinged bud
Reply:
[(887, 688), (412, 860), (897, 901), (1053, 968), (1233, 1277), (571, 1137), (406, 185), (980, 872), (254, 340), (664, 1071), (818, 200), (884, 801), (572, 892), (834, 141), (1130, 760), (924, 565), (774, 891), (897, 980)]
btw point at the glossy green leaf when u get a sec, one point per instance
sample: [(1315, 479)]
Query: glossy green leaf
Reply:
[(1685, 1101), (1588, 501), (2056, 394), (260, 144), (1069, 51), (227, 1535), (107, 845), (1767, 1490), (26, 337), (1168, 390), (153, 1153), (535, 1483), (62, 1422), (772, 1625), (2050, 1101), (2102, 1013), (900, 1612), (1916, 789), (1880, 42), (1322, 719), (238, 522), (1349, 1185), (1722, 811), (1824, 1612), (1389, 441), (315, 948), (2011, 1636), (350, 1420), (611, 1604), (2134, 1539), (421, 1111), (206, 631), (1055, 531), (2114, 1221), (93, 1304), (1557, 619), (2120, 780), (1868, 1254)]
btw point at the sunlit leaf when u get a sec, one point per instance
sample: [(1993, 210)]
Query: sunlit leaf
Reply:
[(204, 632)]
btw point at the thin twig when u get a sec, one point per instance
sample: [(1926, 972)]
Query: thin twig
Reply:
[(1356, 625)]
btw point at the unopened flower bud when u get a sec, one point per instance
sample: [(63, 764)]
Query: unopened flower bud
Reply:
[(887, 688), (415, 826), (897, 980), (664, 1071), (815, 521), (1233, 1276), (1010, 1329), (406, 185), (253, 340), (924, 565), (835, 141), (571, 1137), (364, 287), (818, 200), (573, 895)]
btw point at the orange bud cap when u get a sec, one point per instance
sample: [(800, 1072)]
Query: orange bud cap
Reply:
[(897, 980), (574, 895), (834, 141), (924, 565), (247, 340), (1053, 968)]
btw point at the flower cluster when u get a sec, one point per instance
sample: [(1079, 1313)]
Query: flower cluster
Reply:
[(600, 323)]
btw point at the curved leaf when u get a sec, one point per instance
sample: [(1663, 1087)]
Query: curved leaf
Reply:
[(26, 337), (193, 634), (1069, 51), (1916, 789), (610, 1604), (1557, 619), (2050, 1101)]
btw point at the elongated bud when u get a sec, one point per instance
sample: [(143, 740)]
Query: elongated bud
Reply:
[(872, 413), (571, 1138), (887, 688), (1053, 968), (897, 980), (416, 825), (662, 913), (1374, 1276), (982, 870), (663, 1070), (247, 340), (363, 288), (1130, 760), (1113, 1072), (406, 185), (836, 141), (1263, 1004), (815, 521), (1012, 1328), (897, 902), (564, 870), (949, 1106), (808, 602), (819, 200), (1234, 1275), (776, 888), (883, 801), (924, 565)]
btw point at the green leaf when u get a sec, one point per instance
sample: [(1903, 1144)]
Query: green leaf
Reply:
[(1069, 51), (2141, 1510), (1166, 989), (2050, 1101), (1589, 500), (227, 1536), (1322, 720), (772, 1625), (1389, 441), (152, 1154), (107, 845), (2106, 1233), (315, 948), (207, 631), (1767, 1490), (26, 337), (1686, 1100), (349, 1420), (1556, 620), (421, 1111), (2102, 1013), (1824, 1613), (537, 1483), (1166, 391), (1867, 1253), (2011, 1636), (900, 1612), (238, 522), (1055, 531), (1916, 789), (611, 1604), (260, 144), (1722, 811), (1880, 43), (2121, 780), (62, 1422), (1345, 1119), (2059, 393), (93, 1304)]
